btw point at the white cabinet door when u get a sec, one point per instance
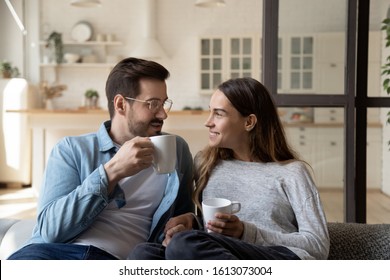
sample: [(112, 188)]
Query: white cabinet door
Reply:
[(374, 157), (322, 148), (330, 63), (302, 140), (329, 163)]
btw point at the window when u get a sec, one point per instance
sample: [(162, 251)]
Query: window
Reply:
[(241, 56), (296, 64), (211, 63), (225, 58)]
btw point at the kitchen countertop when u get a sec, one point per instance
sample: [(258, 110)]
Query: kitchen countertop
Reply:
[(172, 113), (94, 111)]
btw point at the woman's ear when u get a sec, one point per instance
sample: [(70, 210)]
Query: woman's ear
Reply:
[(250, 122)]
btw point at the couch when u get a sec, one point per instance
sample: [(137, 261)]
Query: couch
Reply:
[(348, 241), (353, 241)]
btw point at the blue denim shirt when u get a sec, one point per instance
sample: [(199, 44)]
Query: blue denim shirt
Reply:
[(74, 188)]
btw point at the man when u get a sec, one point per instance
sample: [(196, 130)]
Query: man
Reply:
[(100, 194)]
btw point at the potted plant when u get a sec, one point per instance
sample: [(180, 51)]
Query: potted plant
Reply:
[(386, 67), (91, 98), (51, 92), (8, 70), (55, 41)]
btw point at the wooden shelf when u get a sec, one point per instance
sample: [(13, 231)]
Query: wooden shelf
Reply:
[(78, 65), (89, 43)]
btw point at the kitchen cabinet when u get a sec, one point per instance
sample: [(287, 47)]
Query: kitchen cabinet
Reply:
[(48, 127), (329, 157), (330, 63), (329, 115), (322, 146), (374, 157)]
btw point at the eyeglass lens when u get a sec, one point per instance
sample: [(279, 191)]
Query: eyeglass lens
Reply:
[(156, 105)]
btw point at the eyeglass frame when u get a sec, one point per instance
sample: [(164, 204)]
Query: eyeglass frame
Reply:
[(157, 108)]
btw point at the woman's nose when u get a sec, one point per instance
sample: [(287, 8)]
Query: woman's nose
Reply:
[(208, 122)]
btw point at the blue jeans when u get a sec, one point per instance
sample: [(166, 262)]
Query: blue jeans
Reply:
[(60, 251), (200, 245)]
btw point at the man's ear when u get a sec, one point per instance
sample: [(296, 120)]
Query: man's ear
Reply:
[(119, 104), (250, 122)]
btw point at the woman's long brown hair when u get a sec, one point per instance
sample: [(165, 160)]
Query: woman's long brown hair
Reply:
[(267, 139)]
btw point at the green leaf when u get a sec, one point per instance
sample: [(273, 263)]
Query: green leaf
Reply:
[(386, 21)]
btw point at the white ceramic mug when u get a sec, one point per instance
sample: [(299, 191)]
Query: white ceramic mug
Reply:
[(213, 205), (164, 160)]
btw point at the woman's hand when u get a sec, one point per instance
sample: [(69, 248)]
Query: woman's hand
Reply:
[(177, 224), (228, 224)]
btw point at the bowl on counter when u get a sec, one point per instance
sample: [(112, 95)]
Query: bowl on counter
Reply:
[(71, 57)]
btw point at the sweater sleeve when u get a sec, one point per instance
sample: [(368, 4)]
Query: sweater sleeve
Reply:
[(311, 239)]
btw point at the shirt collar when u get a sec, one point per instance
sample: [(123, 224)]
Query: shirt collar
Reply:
[(105, 141)]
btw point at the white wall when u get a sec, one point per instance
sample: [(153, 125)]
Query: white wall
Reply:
[(179, 26)]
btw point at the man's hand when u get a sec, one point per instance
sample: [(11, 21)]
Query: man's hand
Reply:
[(134, 156), (177, 224)]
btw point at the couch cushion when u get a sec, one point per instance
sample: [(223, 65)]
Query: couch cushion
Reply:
[(5, 224), (353, 241), (16, 236)]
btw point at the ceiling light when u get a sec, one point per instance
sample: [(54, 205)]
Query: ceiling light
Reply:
[(86, 3), (210, 3)]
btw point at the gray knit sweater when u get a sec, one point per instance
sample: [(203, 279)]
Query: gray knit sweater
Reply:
[(280, 204)]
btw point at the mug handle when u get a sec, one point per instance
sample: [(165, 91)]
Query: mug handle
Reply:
[(236, 207)]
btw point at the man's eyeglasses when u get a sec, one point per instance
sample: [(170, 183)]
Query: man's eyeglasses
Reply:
[(155, 104)]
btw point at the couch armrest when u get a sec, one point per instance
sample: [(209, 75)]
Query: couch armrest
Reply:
[(17, 233)]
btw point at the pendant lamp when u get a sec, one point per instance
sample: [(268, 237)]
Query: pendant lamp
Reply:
[(210, 3), (86, 3)]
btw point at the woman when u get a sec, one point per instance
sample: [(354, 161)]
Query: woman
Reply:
[(248, 160)]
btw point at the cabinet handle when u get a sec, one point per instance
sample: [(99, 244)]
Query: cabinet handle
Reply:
[(333, 143)]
